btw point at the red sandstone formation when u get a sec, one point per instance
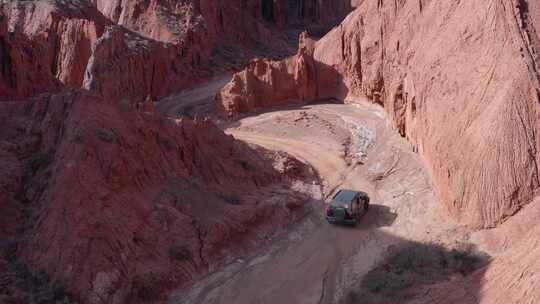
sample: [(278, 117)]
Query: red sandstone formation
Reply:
[(42, 41), (173, 21), (63, 35), (125, 205), (15, 84), (117, 204), (265, 83), (141, 67), (463, 89), (198, 30), (121, 205), (62, 48)]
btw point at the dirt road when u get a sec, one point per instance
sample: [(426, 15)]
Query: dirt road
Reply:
[(198, 100), (323, 160), (352, 147)]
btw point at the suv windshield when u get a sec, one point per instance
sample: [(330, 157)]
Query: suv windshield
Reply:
[(343, 198), (339, 204)]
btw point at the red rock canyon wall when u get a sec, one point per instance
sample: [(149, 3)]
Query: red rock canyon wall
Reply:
[(458, 79), (117, 204)]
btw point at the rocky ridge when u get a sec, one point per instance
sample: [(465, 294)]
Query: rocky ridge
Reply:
[(121, 205), (460, 81), (105, 202), (184, 41)]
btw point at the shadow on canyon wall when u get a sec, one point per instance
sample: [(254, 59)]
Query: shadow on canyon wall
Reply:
[(408, 271), (160, 220), (411, 271)]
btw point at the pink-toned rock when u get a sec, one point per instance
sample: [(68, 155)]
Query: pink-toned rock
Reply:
[(64, 34), (310, 11), (267, 83), (511, 276), (464, 96), (171, 21), (22, 73), (58, 39), (127, 204), (210, 32), (127, 66)]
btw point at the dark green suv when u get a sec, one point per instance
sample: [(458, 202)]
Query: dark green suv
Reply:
[(347, 207)]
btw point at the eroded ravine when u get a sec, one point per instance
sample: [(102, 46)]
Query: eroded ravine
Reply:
[(316, 262)]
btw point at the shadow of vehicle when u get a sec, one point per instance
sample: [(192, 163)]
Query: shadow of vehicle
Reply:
[(376, 217)]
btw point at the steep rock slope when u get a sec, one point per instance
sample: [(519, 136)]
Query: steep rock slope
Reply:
[(120, 205), (268, 83), (49, 44), (46, 45), (140, 67), (115, 204), (62, 37), (171, 20), (512, 277), (33, 80), (212, 32), (458, 79), (58, 35)]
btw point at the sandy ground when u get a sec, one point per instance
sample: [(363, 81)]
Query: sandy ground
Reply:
[(189, 102), (350, 146)]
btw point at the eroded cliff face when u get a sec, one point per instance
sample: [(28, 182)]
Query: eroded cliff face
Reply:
[(167, 45), (266, 83), (208, 33), (44, 42), (51, 44), (112, 201), (120, 206), (141, 67), (13, 59), (512, 276), (457, 79), (172, 20)]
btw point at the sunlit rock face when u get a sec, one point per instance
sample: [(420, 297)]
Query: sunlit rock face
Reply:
[(456, 86), (100, 194)]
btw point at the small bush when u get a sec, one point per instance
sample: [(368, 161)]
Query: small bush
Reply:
[(186, 111), (417, 258), (467, 261), (40, 161), (180, 253), (37, 287), (77, 136), (243, 163), (147, 294), (105, 135), (231, 198), (352, 297), (388, 284), (164, 142)]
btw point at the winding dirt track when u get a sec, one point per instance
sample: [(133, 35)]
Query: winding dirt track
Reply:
[(316, 262), (186, 101), (323, 160)]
